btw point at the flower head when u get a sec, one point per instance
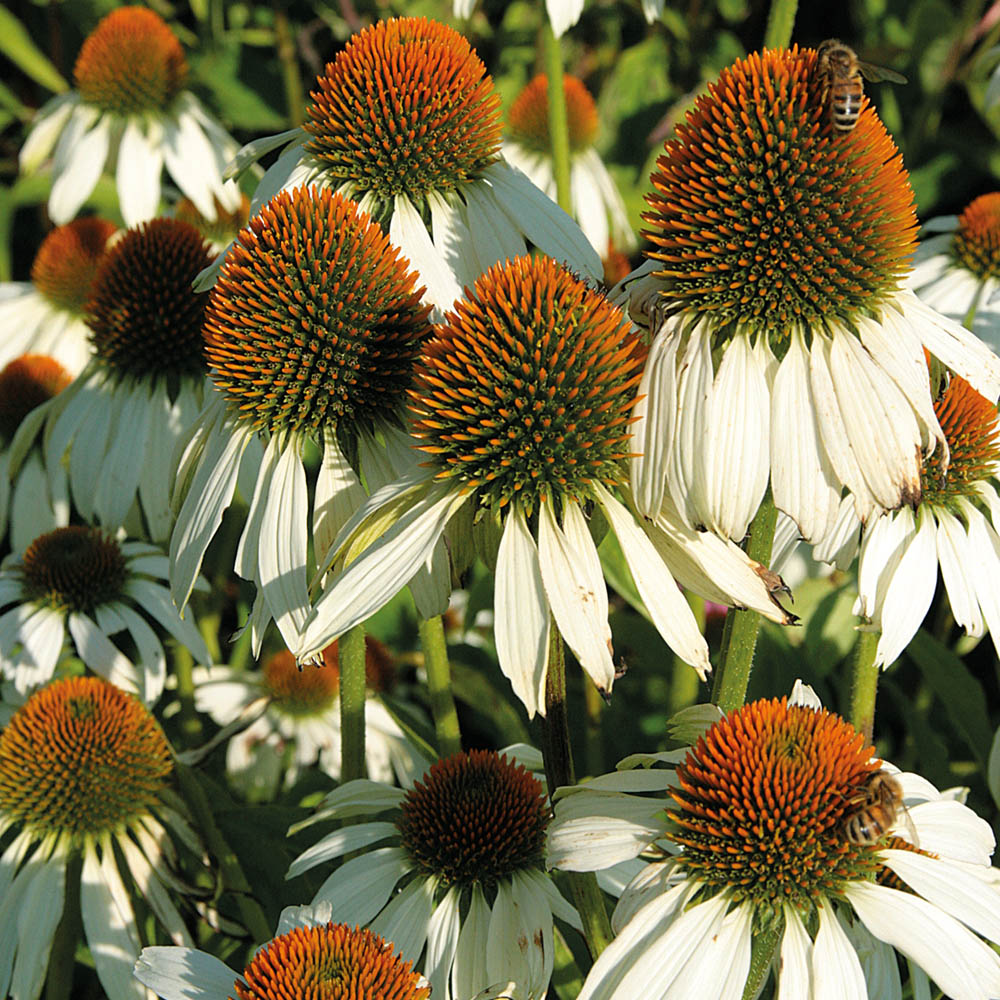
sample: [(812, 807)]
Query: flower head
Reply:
[(406, 121), (84, 581), (296, 720), (522, 405), (130, 109), (596, 202), (45, 315), (775, 293), (458, 856), (84, 772), (957, 267), (953, 526), (312, 332), (780, 825), (115, 426)]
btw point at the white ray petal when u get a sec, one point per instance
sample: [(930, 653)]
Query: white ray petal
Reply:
[(339, 494), (686, 471), (836, 969), (451, 236), (38, 913), (408, 232), (577, 594), (521, 614), (404, 921), (442, 942), (184, 973), (45, 130), (886, 538), (101, 654), (956, 561), (140, 163), (495, 237), (468, 974), (670, 612), (795, 976), (151, 655), (190, 161), (341, 842), (563, 14), (358, 889), (72, 186), (124, 460)]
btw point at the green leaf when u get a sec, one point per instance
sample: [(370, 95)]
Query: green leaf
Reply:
[(17, 46), (958, 691)]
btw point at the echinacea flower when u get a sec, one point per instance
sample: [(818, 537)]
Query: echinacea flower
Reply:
[(308, 956), (522, 406), (406, 122), (116, 425), (46, 315), (35, 502), (130, 108), (329, 363), (597, 205), (954, 526), (296, 723), (754, 835), (450, 870), (785, 345), (84, 772), (82, 583), (956, 268)]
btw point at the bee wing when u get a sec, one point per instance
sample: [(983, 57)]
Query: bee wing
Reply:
[(907, 821), (880, 74)]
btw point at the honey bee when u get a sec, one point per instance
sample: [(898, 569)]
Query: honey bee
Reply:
[(843, 71), (877, 807)]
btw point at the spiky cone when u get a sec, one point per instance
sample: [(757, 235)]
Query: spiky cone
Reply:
[(85, 775), (74, 588), (450, 870), (956, 268), (46, 315), (755, 839), (596, 202), (116, 425), (330, 364), (785, 345), (34, 503), (406, 122), (294, 721), (522, 408), (130, 108), (954, 526)]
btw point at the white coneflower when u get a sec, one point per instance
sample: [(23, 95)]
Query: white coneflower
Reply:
[(83, 584), (785, 345), (84, 772), (46, 315), (522, 407), (754, 836), (596, 203), (298, 721), (406, 122), (956, 269), (130, 108), (450, 872), (954, 526), (329, 363), (117, 423), (35, 502)]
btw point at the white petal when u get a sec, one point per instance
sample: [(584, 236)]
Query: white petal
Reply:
[(154, 891), (836, 969), (956, 562), (469, 971), (190, 161), (151, 658), (653, 431), (379, 572), (442, 942), (39, 911), (110, 925), (563, 14), (140, 163), (588, 206), (886, 538), (408, 232), (72, 186), (339, 494), (124, 460), (574, 585), (670, 612), (686, 470), (156, 481), (45, 131), (720, 967), (795, 976), (281, 550), (102, 655), (184, 974), (453, 240), (361, 887), (542, 221), (404, 921), (962, 965), (495, 238), (339, 843), (803, 481), (521, 614), (520, 939), (155, 600)]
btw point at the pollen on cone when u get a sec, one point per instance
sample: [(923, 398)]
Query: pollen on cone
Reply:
[(976, 244), (66, 262), (27, 382)]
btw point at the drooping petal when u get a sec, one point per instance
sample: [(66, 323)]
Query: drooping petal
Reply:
[(795, 975), (339, 494), (72, 186), (408, 232), (140, 163), (836, 970)]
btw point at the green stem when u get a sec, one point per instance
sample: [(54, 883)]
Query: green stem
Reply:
[(558, 120), (69, 932), (190, 721), (432, 641), (780, 22), (351, 651), (559, 771), (285, 50), (739, 634), (864, 683), (230, 872)]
